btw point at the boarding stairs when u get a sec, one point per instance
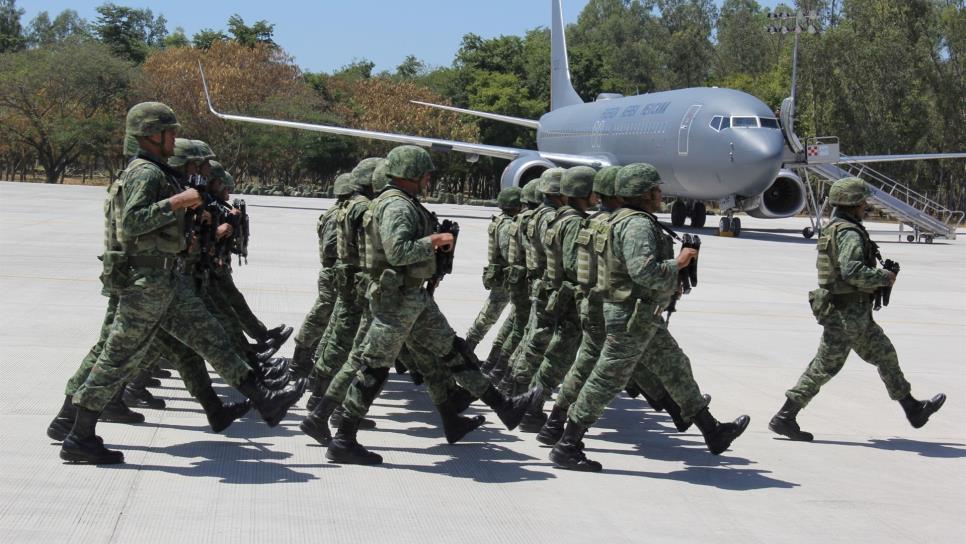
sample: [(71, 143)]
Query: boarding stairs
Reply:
[(928, 218)]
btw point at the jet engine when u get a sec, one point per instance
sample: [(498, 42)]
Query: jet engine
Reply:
[(785, 197), (523, 170)]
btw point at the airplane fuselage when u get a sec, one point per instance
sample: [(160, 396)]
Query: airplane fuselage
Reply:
[(682, 133)]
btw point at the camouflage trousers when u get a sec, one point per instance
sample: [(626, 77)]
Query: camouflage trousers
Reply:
[(87, 364), (519, 316), (350, 309), (219, 305), (493, 307), (313, 327), (561, 351), (407, 314), (540, 326), (851, 327), (155, 300), (190, 366), (636, 335), (249, 322)]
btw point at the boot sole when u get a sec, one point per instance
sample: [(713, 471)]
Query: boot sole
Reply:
[(317, 436), (548, 440), (338, 459), (576, 468), (124, 419), (772, 428), (475, 423), (81, 459)]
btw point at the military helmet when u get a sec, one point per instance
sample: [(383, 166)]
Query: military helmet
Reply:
[(379, 176), (578, 181), (550, 180), (531, 193), (409, 162), (149, 118), (131, 146), (362, 173), (186, 150), (848, 192), (605, 180), (636, 179), (509, 198), (218, 172), (205, 149), (343, 185)]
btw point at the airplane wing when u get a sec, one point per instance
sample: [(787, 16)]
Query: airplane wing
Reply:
[(529, 123), (434, 144), (896, 158)]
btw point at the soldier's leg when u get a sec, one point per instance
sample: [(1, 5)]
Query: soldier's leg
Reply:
[(520, 308), (875, 348), (489, 314), (832, 352), (250, 323), (672, 368), (88, 363), (561, 352), (531, 350), (318, 317)]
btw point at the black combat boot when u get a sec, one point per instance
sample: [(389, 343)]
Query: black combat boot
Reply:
[(400, 367), (336, 420), (718, 436), (319, 387), (265, 356), (568, 453), (491, 360), (674, 411), (654, 403), (276, 369), (461, 399), (345, 449), (316, 423), (159, 372), (510, 410), (272, 404), (534, 418), (63, 421), (416, 377), (784, 423), (554, 427), (278, 335), (82, 445), (140, 397), (456, 426), (632, 391), (302, 362), (918, 411), (118, 412), (221, 416)]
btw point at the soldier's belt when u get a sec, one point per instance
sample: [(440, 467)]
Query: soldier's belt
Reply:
[(851, 298), (151, 261)]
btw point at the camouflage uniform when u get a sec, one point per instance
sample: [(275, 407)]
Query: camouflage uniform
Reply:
[(313, 327), (493, 278)]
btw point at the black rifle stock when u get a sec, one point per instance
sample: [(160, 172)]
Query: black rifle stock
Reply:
[(687, 276), (444, 259)]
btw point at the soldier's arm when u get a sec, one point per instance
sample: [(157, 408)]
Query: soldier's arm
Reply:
[(568, 237), (143, 212), (852, 265), (639, 250), (329, 235), (400, 234)]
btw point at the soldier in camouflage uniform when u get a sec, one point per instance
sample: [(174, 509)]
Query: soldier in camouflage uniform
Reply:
[(847, 280), (145, 220), (541, 321), (518, 283), (498, 243), (641, 275), (401, 244), (576, 188)]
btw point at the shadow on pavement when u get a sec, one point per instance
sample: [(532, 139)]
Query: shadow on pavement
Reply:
[(926, 449), (483, 462)]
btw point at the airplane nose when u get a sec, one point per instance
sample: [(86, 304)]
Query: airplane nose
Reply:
[(758, 155)]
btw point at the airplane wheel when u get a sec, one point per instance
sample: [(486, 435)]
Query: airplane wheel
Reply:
[(698, 215), (807, 233), (736, 226), (724, 225), (910, 238), (679, 212)]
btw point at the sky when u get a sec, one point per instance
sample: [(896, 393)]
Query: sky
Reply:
[(324, 35)]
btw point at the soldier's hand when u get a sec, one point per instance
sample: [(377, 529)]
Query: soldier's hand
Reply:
[(206, 217), (189, 198), (892, 277), (443, 241), (687, 255), (224, 231)]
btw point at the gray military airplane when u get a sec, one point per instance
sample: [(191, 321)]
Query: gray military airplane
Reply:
[(709, 144)]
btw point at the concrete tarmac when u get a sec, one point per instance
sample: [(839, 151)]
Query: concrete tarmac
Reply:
[(869, 476)]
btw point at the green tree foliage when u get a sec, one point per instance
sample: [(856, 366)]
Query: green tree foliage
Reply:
[(177, 39), (11, 32), (44, 31), (206, 37), (259, 33), (50, 104), (131, 33)]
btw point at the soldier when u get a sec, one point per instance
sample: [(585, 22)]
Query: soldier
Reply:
[(640, 274), (518, 284), (541, 321), (498, 240), (401, 244), (842, 304), (145, 223), (576, 188)]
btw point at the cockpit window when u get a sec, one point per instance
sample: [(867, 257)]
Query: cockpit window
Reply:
[(744, 122), (726, 123), (716, 122), (768, 122)]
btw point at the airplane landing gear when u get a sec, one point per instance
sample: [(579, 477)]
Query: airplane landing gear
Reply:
[(698, 215), (807, 233), (729, 226), (679, 212)]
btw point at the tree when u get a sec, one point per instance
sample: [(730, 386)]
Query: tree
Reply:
[(206, 37), (357, 69), (687, 48), (410, 67), (11, 33), (67, 24), (131, 33), (50, 102), (743, 47), (177, 39), (249, 36)]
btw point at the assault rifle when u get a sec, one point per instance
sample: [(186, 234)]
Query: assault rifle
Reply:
[(688, 276), (444, 259), (242, 232), (882, 294)]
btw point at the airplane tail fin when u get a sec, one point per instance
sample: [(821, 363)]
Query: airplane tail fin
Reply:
[(562, 93)]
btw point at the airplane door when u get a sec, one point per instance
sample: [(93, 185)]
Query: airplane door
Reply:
[(596, 135), (684, 133)]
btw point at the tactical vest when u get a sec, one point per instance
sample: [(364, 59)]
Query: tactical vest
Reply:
[(376, 260), (613, 276), (167, 239), (554, 273), (829, 275), (328, 251), (536, 255), (517, 255), (593, 227), (494, 255), (350, 243)]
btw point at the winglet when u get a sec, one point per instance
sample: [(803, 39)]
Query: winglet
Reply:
[(204, 83)]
